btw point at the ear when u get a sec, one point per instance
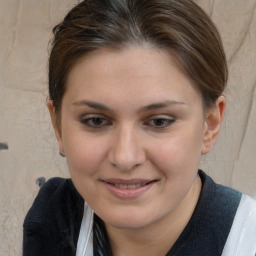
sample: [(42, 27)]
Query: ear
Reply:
[(56, 127), (212, 124)]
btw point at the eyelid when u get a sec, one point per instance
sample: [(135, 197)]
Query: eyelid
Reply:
[(93, 115), (85, 119), (161, 116), (169, 119)]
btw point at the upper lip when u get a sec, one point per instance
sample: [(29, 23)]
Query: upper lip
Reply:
[(127, 182)]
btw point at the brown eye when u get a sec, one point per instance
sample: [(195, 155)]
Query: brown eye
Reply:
[(95, 122), (160, 122)]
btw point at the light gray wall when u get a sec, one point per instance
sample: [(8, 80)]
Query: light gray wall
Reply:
[(25, 125)]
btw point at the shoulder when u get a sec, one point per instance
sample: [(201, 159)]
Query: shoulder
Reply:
[(242, 236), (52, 224), (222, 198), (55, 194), (233, 215)]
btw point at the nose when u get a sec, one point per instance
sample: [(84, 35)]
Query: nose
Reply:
[(126, 151)]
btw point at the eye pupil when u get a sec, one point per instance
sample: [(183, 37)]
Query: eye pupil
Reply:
[(94, 122), (97, 121), (160, 122)]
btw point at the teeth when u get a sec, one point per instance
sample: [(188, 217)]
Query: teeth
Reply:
[(122, 186), (130, 186)]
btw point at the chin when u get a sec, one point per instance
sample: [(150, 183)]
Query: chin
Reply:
[(128, 224), (128, 220)]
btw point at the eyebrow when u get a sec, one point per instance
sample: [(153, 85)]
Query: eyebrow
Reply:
[(161, 105), (92, 104), (153, 106)]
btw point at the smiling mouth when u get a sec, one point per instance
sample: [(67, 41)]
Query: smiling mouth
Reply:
[(129, 185), (128, 189)]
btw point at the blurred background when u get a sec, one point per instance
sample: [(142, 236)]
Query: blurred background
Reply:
[(28, 149)]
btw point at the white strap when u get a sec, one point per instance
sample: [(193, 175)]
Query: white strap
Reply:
[(242, 237), (85, 240)]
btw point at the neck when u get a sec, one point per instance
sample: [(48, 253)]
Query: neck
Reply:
[(159, 237)]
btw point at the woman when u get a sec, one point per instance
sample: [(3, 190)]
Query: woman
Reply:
[(135, 100)]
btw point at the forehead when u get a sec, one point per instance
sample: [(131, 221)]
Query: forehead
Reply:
[(148, 58), (135, 71)]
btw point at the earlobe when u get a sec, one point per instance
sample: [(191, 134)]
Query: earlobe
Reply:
[(213, 119), (56, 127)]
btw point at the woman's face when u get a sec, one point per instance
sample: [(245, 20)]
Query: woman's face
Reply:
[(132, 130)]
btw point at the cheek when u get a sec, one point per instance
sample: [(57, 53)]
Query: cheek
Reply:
[(178, 154), (85, 157), (84, 154)]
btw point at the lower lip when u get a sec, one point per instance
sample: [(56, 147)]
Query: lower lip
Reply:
[(128, 193)]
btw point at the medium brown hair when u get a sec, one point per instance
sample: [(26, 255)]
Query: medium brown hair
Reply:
[(179, 26)]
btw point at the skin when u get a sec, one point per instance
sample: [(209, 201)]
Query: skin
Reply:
[(134, 114)]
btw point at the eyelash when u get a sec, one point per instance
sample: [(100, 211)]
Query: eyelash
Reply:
[(167, 122), (87, 122), (99, 122)]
